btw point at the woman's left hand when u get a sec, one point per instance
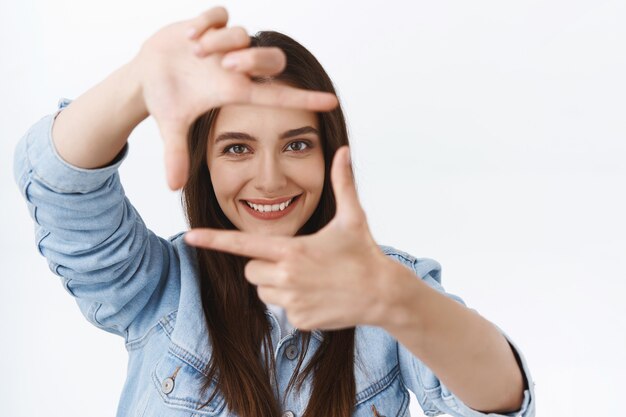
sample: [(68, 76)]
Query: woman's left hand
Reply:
[(332, 279)]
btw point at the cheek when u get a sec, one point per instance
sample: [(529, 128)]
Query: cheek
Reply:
[(312, 176), (226, 182)]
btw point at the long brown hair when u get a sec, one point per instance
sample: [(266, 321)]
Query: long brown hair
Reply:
[(237, 324)]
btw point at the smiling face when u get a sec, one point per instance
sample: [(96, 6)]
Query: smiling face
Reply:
[(271, 158)]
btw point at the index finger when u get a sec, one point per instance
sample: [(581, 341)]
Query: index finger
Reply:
[(290, 97), (239, 243)]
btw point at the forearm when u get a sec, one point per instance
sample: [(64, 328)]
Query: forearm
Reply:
[(93, 129), (467, 353)]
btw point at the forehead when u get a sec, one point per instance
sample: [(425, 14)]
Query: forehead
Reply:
[(262, 120)]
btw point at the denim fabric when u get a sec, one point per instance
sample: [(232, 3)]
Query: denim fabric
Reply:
[(133, 283)]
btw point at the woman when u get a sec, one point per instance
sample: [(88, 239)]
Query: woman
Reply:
[(292, 309)]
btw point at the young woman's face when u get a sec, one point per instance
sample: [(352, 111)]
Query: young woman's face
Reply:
[(270, 157)]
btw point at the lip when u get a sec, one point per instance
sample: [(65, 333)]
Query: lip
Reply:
[(271, 202), (271, 215)]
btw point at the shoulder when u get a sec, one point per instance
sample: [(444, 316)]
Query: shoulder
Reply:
[(186, 253), (421, 266), (177, 237)]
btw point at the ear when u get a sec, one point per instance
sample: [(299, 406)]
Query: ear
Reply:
[(349, 210)]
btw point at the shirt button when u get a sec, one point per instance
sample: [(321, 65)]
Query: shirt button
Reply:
[(168, 385), (291, 351), (289, 413)]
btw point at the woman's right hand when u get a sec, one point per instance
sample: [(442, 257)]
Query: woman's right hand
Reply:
[(179, 84)]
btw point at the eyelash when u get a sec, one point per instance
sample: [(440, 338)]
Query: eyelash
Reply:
[(227, 148)]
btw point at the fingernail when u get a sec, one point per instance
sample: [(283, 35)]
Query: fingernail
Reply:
[(230, 61), (191, 32)]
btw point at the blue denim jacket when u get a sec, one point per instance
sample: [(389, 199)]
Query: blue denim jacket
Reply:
[(131, 282)]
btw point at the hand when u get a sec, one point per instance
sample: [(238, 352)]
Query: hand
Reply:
[(178, 85), (335, 278)]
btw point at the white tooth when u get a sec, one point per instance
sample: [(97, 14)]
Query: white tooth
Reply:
[(263, 208)]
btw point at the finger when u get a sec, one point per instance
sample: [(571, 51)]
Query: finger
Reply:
[(285, 96), (270, 295), (222, 40), (256, 61), (344, 188), (261, 272), (239, 243), (215, 17), (175, 154)]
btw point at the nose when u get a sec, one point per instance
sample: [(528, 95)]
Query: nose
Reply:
[(270, 179)]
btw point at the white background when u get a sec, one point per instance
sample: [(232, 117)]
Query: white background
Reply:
[(488, 135)]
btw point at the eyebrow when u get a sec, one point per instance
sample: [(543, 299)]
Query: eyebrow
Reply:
[(285, 135)]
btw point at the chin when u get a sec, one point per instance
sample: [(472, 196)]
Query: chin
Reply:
[(267, 230), (275, 231)]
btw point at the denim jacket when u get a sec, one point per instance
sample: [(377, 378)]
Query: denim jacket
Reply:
[(133, 283)]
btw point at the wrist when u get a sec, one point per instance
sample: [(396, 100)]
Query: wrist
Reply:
[(400, 296), (135, 103)]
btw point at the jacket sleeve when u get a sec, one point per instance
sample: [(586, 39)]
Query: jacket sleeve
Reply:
[(433, 396), (120, 273)]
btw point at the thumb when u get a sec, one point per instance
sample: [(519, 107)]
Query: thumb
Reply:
[(176, 154), (348, 207)]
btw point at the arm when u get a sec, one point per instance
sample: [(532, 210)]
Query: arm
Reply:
[(95, 127), (470, 356), (66, 169), (90, 234)]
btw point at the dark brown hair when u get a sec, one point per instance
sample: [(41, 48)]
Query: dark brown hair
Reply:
[(237, 323)]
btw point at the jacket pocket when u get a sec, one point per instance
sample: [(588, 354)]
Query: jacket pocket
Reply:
[(387, 397), (179, 386)]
